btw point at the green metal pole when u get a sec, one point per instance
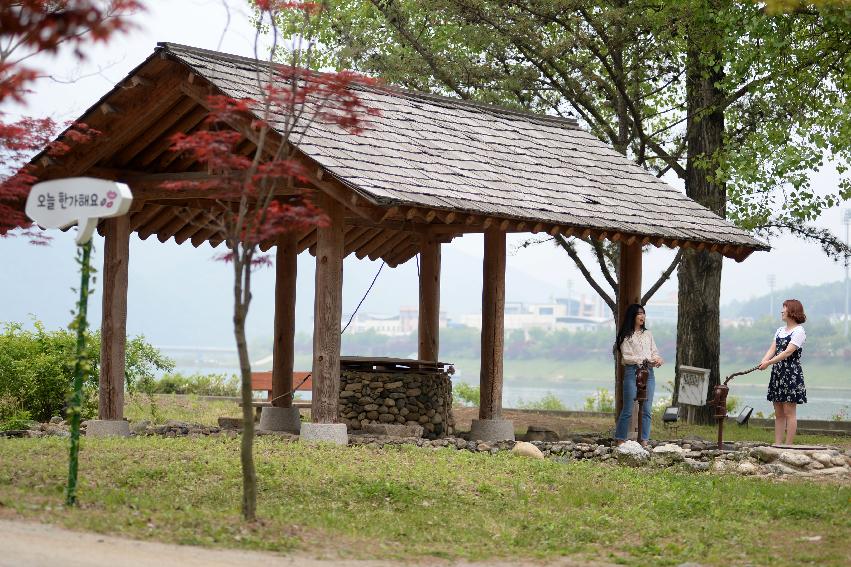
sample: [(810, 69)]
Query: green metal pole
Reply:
[(80, 365)]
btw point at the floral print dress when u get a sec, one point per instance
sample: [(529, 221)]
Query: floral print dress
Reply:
[(787, 376)]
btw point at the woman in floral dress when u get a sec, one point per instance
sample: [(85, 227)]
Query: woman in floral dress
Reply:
[(786, 388)]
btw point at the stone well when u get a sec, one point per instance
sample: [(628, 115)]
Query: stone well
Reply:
[(398, 396)]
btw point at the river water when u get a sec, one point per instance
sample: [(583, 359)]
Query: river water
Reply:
[(823, 403)]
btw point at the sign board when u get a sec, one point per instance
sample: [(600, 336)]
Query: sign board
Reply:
[(694, 385), (61, 203)]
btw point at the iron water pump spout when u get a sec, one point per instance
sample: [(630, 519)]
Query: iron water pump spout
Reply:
[(719, 402), (642, 375)]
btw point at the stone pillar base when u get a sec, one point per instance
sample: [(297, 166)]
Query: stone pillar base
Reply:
[(280, 419), (324, 433), (492, 430), (107, 428)]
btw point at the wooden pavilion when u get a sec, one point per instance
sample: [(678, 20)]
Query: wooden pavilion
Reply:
[(425, 171)]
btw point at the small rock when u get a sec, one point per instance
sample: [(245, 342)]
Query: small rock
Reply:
[(747, 468), (795, 459), (141, 426), (631, 454), (697, 466), (55, 420), (823, 457), (668, 448), (524, 449), (765, 453)]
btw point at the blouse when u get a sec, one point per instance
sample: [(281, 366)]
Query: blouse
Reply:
[(798, 335), (638, 348)]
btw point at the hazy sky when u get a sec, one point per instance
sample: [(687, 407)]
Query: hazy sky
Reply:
[(167, 278)]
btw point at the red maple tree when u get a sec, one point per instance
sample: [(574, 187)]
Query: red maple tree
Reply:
[(257, 197), (28, 28)]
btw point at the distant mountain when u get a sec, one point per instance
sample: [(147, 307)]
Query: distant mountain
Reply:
[(820, 301)]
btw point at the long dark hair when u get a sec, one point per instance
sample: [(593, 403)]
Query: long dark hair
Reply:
[(628, 325)]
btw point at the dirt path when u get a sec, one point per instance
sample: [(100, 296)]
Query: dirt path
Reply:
[(26, 544)]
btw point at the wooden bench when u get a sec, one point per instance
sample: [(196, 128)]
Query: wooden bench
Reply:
[(262, 382)]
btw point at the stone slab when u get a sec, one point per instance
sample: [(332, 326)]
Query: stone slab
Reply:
[(280, 419), (492, 430), (335, 433), (107, 428)]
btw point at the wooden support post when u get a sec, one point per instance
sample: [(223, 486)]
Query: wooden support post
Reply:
[(327, 315), (493, 325), (113, 328), (286, 272), (629, 292), (429, 315)]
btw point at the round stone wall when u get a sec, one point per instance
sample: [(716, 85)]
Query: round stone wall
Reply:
[(401, 398)]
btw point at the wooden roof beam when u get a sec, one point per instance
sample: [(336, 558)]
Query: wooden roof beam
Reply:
[(403, 256), (206, 234), (182, 217), (375, 243), (160, 149), (144, 217), (155, 130), (191, 228), (362, 240), (399, 248), (155, 224), (116, 132), (395, 239), (357, 239), (307, 241)]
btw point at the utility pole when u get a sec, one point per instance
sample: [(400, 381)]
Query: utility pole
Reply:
[(847, 220), (772, 279)]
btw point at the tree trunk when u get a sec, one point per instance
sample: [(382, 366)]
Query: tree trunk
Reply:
[(699, 274), (240, 311)]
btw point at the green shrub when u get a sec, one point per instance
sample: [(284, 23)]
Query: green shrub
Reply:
[(601, 401), (199, 384), (36, 368), (464, 394), (12, 415), (549, 402)]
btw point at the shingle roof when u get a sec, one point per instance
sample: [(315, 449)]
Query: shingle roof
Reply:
[(444, 153)]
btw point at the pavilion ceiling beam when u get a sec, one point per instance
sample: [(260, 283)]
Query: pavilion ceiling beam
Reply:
[(156, 224), (207, 232), (182, 217), (136, 115), (155, 130), (399, 247), (161, 147), (375, 242), (191, 228), (359, 241), (395, 239), (142, 218), (399, 258)]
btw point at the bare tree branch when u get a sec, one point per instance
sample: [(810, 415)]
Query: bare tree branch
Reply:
[(666, 275), (571, 251)]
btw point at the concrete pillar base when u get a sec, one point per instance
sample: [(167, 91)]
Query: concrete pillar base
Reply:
[(492, 430), (280, 419), (107, 428), (324, 433)]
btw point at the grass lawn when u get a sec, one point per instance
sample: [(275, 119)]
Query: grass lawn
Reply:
[(406, 502)]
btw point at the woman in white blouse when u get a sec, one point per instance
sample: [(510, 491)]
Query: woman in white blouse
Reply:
[(635, 345), (786, 388)]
